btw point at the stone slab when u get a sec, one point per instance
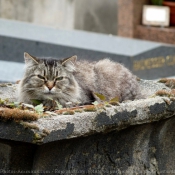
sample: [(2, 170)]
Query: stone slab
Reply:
[(75, 38), (60, 127), (54, 128), (131, 138), (156, 63), (148, 60)]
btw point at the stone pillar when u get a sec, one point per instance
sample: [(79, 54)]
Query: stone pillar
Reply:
[(129, 16)]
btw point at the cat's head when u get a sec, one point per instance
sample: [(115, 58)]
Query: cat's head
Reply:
[(49, 78)]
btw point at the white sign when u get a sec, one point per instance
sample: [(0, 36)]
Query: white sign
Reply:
[(155, 15)]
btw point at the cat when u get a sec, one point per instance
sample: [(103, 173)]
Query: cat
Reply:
[(75, 82)]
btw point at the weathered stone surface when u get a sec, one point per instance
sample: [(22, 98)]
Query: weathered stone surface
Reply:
[(141, 149), (53, 128), (8, 91), (136, 137)]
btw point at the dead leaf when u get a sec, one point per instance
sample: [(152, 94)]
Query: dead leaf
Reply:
[(100, 96)]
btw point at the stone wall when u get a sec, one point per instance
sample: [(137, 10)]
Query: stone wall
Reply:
[(97, 16), (134, 137)]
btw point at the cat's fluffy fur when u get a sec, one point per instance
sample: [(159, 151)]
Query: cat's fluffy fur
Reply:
[(69, 80)]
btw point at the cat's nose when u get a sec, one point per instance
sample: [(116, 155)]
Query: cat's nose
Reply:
[(50, 85)]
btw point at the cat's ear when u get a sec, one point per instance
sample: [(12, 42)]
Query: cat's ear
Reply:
[(29, 59), (69, 63)]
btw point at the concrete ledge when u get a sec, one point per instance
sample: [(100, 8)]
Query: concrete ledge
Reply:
[(60, 127), (132, 138)]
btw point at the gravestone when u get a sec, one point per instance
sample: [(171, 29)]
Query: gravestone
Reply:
[(134, 137), (148, 60)]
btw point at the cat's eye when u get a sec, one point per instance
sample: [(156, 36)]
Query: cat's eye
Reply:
[(59, 78), (41, 77)]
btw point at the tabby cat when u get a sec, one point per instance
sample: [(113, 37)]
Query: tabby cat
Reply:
[(75, 82)]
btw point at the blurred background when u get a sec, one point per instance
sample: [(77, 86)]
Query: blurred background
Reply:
[(116, 17), (90, 15), (91, 29)]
